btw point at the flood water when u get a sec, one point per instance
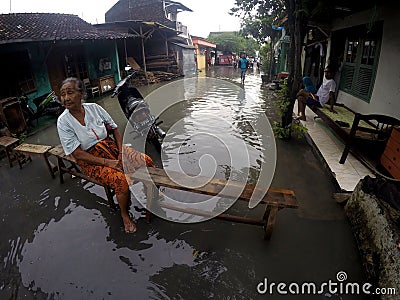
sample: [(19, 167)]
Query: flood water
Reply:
[(61, 241)]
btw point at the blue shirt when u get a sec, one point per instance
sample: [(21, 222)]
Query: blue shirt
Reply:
[(243, 62)]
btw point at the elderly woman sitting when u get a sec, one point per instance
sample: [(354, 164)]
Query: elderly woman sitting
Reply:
[(83, 134)]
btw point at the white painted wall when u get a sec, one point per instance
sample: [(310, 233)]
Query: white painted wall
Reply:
[(386, 93)]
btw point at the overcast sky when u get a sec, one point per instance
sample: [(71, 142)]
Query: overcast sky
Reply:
[(207, 15)]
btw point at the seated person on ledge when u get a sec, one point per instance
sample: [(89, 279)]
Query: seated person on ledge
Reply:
[(325, 94), (83, 134)]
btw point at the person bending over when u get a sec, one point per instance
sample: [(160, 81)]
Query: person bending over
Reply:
[(325, 94), (82, 129)]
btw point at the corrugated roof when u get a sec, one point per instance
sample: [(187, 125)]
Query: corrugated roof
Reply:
[(183, 45), (23, 27)]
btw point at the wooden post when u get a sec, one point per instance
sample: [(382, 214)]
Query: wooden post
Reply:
[(166, 50), (149, 200), (126, 54), (270, 218), (144, 55)]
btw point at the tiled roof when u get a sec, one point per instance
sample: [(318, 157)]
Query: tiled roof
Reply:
[(21, 27)]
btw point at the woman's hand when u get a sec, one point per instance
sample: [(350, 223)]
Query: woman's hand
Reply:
[(114, 164)]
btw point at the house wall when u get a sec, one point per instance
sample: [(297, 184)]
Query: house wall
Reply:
[(44, 55), (386, 93), (143, 10), (37, 56), (201, 57), (102, 49)]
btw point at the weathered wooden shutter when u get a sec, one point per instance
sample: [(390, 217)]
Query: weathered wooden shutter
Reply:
[(347, 77), (363, 83)]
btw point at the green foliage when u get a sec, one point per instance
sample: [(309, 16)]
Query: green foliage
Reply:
[(295, 128), (279, 131), (234, 42), (282, 100), (265, 54), (23, 137)]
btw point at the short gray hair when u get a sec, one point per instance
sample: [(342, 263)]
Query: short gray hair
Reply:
[(78, 84)]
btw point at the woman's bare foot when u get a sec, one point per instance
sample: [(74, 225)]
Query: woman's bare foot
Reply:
[(130, 227)]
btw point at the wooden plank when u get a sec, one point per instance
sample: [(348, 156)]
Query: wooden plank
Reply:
[(270, 223), (58, 151), (132, 62), (33, 148), (216, 186), (203, 213), (7, 141), (39, 150)]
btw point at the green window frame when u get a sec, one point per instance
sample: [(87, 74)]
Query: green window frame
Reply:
[(360, 63)]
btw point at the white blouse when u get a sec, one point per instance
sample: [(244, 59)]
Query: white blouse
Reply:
[(73, 134)]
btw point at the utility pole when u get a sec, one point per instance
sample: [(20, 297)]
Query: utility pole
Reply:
[(10, 6)]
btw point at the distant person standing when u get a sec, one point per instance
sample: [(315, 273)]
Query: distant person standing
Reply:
[(243, 64)]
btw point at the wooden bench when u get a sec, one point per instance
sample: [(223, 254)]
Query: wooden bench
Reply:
[(38, 150), (73, 169), (274, 199), (365, 136), (8, 144)]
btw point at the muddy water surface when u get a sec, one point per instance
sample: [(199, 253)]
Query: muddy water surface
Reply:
[(61, 241)]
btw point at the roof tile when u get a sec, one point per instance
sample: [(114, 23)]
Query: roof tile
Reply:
[(48, 27)]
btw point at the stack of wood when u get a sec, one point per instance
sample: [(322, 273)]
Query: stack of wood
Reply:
[(153, 77), (161, 62)]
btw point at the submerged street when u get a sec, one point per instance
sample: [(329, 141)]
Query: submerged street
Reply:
[(62, 241)]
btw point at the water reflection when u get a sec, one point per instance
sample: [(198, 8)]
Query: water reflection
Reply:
[(62, 262), (196, 123), (214, 126)]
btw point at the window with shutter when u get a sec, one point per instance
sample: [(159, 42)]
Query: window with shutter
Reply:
[(361, 61), (346, 82)]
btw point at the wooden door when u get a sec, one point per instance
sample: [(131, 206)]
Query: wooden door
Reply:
[(56, 70)]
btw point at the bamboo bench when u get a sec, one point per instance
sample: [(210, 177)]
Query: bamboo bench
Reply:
[(274, 199), (72, 168)]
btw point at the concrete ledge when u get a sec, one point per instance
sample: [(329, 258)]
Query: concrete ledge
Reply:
[(330, 149)]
